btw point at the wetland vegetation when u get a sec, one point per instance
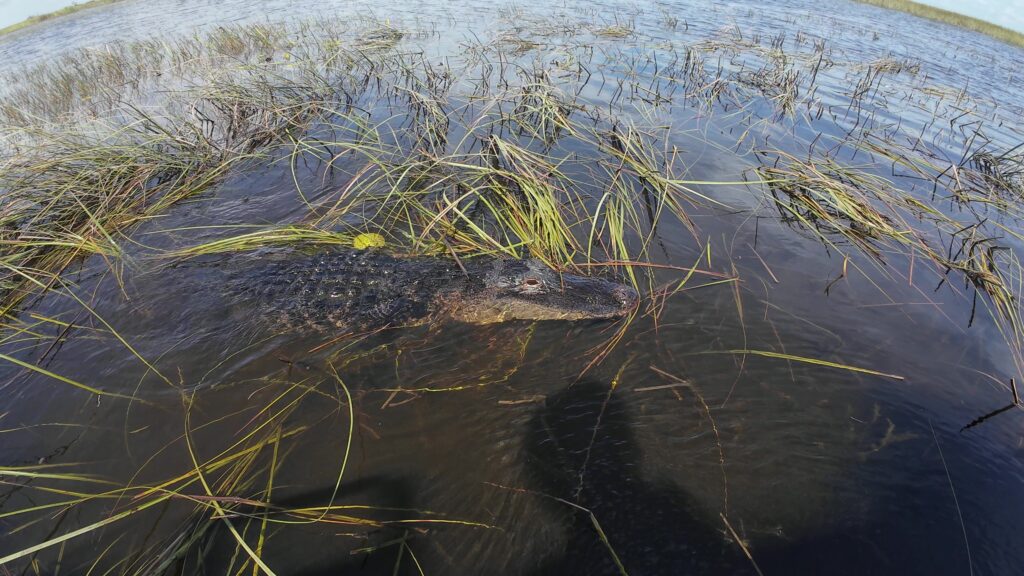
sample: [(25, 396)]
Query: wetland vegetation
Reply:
[(580, 139)]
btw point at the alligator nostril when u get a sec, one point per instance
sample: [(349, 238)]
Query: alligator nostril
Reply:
[(627, 296)]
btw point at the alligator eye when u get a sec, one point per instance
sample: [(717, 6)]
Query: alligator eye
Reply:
[(532, 286)]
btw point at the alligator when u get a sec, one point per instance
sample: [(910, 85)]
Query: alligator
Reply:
[(366, 290)]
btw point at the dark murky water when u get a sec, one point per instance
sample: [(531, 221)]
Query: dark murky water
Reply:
[(492, 430)]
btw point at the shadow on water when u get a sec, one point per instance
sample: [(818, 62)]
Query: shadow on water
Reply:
[(583, 469), (586, 462)]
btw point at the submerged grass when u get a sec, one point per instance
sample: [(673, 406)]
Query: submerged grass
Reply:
[(232, 489)]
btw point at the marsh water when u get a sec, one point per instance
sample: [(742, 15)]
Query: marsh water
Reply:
[(506, 449)]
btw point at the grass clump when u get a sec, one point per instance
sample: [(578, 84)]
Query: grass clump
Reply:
[(999, 174), (882, 220)]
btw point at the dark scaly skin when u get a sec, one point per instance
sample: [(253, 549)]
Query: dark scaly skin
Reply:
[(367, 290)]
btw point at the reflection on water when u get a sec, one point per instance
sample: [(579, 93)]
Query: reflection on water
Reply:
[(483, 449)]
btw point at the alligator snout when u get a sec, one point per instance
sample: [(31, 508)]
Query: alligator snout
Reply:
[(628, 297)]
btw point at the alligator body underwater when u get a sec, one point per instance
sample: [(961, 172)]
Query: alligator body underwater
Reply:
[(367, 290)]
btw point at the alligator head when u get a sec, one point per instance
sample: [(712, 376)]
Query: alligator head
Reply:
[(506, 289)]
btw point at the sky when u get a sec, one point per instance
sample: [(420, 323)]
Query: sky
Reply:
[(13, 11), (1006, 13)]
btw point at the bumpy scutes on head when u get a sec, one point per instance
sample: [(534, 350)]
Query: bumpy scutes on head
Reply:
[(529, 290)]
